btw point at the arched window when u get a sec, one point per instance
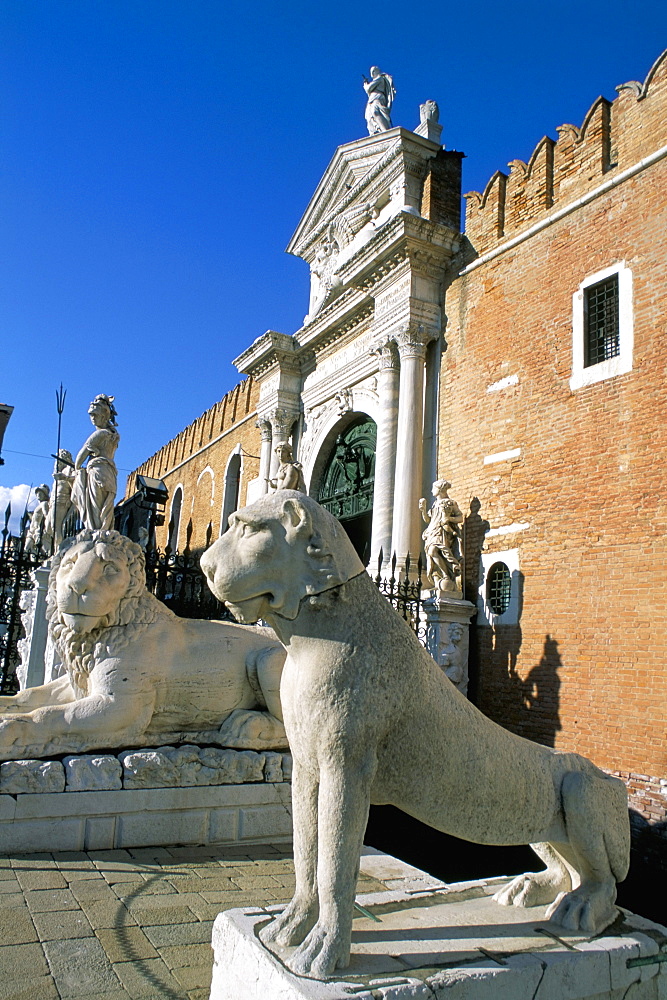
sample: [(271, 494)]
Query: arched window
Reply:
[(175, 518), (231, 495), (500, 599)]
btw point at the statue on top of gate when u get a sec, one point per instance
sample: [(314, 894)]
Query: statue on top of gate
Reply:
[(381, 92)]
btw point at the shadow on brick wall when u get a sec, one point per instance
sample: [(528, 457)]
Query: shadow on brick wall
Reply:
[(540, 695), (475, 528)]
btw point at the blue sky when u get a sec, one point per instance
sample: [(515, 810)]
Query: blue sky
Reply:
[(156, 156)]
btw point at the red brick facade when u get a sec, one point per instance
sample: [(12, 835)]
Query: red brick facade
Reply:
[(580, 494)]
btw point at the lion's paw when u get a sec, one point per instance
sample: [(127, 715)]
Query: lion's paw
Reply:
[(245, 728), (322, 952), (531, 889), (588, 909), (290, 927)]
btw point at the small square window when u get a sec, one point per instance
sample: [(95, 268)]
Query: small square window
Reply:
[(602, 326)]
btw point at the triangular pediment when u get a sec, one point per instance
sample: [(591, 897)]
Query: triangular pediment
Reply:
[(352, 179)]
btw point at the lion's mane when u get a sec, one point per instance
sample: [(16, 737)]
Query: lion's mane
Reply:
[(135, 611)]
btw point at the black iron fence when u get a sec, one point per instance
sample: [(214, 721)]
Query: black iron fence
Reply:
[(402, 586), (17, 562), (177, 580)]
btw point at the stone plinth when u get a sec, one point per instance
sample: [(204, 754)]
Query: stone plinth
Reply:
[(106, 820), (145, 798), (447, 637), (451, 944)]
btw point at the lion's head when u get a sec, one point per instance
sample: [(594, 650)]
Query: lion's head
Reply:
[(97, 590), (276, 552)]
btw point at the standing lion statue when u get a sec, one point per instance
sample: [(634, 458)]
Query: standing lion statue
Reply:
[(371, 718), (136, 674)]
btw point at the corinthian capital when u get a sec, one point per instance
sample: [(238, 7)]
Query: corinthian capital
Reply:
[(413, 339), (386, 352), (282, 422), (264, 425)]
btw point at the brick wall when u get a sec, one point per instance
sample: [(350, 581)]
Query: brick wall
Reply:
[(584, 501), (197, 460)]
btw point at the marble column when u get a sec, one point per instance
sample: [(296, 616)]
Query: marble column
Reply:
[(385, 453), (33, 647), (431, 398), (265, 454), (412, 342)]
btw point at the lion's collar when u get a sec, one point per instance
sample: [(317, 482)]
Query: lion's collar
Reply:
[(318, 593)]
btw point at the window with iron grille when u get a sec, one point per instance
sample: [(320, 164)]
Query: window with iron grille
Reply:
[(499, 588), (602, 326), (602, 335)]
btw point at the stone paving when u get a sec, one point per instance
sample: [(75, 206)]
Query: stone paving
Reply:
[(113, 925)]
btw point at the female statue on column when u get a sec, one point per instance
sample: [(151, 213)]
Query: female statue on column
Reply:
[(442, 539), (94, 490), (290, 474)]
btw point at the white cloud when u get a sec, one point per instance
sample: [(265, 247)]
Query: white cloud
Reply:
[(16, 496)]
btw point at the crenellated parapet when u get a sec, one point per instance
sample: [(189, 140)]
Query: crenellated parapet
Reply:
[(236, 405), (614, 136)]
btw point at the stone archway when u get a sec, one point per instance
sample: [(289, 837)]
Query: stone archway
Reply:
[(347, 481)]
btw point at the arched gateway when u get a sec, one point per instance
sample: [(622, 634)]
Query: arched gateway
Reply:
[(346, 485)]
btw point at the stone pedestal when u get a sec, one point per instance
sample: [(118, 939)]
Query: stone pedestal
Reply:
[(450, 944), (33, 648), (447, 636), (145, 798)]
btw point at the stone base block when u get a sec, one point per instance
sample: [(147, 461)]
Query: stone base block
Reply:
[(450, 944), (146, 817)]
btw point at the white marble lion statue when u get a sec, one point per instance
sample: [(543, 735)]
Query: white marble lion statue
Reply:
[(136, 674), (371, 718)]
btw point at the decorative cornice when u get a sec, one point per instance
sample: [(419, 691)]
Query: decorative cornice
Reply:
[(427, 245), (270, 350)]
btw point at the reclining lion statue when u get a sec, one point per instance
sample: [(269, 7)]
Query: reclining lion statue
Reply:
[(371, 718), (136, 674)]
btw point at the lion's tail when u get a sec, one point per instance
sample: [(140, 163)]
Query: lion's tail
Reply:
[(617, 827)]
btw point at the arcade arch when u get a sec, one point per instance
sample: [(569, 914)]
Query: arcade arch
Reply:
[(344, 475)]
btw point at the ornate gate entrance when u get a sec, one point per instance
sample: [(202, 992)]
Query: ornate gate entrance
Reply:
[(346, 488)]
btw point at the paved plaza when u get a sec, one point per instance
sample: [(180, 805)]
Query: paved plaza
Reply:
[(110, 925)]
